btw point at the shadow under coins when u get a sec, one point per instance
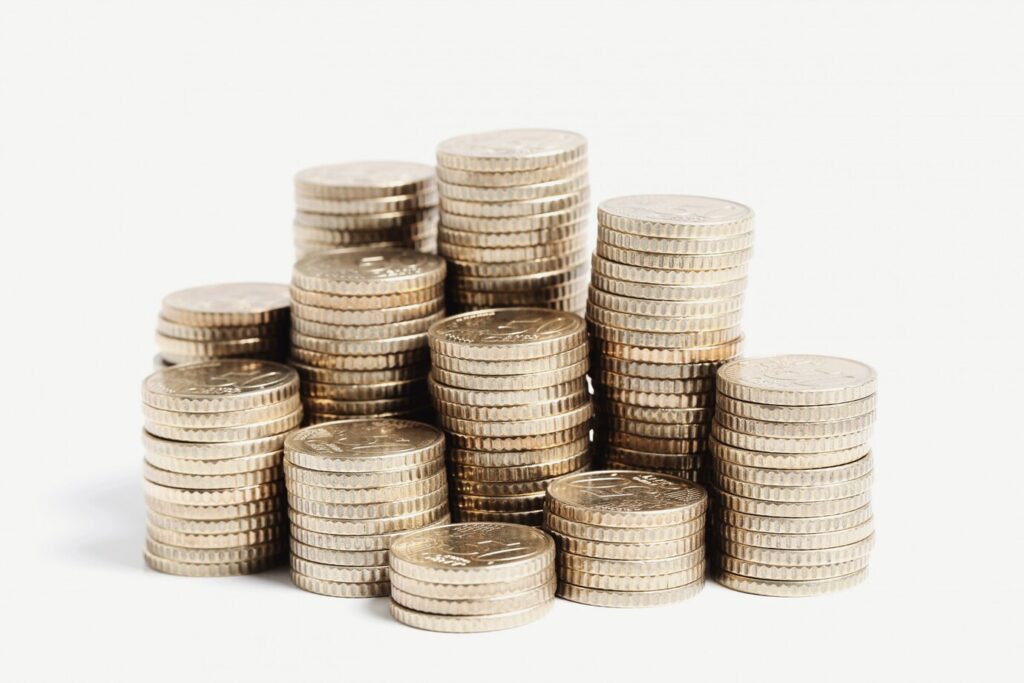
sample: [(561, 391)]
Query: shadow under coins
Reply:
[(113, 522)]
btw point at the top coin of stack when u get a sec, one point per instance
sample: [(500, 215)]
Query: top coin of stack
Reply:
[(465, 578), (509, 388), (514, 207), (664, 311), (792, 474), (213, 439), (366, 204), (359, 331), (235, 320), (627, 538)]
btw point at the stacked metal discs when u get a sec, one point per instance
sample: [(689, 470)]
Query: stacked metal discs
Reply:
[(353, 487), (366, 204), (792, 474), (509, 388), (464, 578), (514, 206), (359, 331), (213, 439), (664, 310), (236, 320), (627, 538)]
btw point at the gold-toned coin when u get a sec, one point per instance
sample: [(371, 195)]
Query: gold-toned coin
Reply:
[(661, 324), (330, 572), (210, 498), (167, 566), (173, 348), (789, 588), (529, 427), (666, 309), (794, 525), (379, 361), (491, 368), (671, 293), (772, 413), (375, 205), (468, 624), (478, 240), (656, 445), (352, 496), (793, 494), (396, 346), (248, 303), (365, 333), (795, 430), (215, 541), (511, 150), (381, 221), (511, 178), (504, 604), (796, 461), (510, 383), (507, 399), (532, 411), (343, 558), (683, 473), (372, 445), (251, 463), (215, 513), (471, 487), (628, 551), (654, 386), (365, 392), (234, 418), (509, 474), (701, 399), (365, 179), (605, 269), (632, 535), (836, 556), (210, 481), (755, 570), (645, 459), (504, 225), (524, 502), (651, 582), (220, 386), (511, 459), (416, 415), (672, 245), (243, 553), (631, 568), (641, 354), (676, 216), (472, 591), (619, 498), (527, 517), (797, 380), (524, 443), (223, 434), (606, 598), (655, 430), (663, 340), (356, 511), (197, 333), (368, 271), (797, 445), (514, 193), (525, 284), (510, 254), (313, 375), (820, 508), (363, 481), (802, 542), (367, 527), (506, 334), (326, 239), (355, 543), (628, 411), (811, 477), (695, 262), (365, 302), (341, 589), (215, 527), (380, 316), (569, 296), (472, 553)]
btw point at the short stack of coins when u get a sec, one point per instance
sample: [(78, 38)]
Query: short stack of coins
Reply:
[(664, 312), (353, 487), (359, 331), (514, 207), (627, 538), (366, 204), (468, 578), (509, 388), (213, 439), (792, 474), (235, 320)]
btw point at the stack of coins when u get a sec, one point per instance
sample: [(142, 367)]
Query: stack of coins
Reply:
[(366, 204), (237, 320), (353, 487), (466, 578), (513, 219), (509, 388), (213, 439), (792, 474), (664, 311), (359, 331), (627, 538)]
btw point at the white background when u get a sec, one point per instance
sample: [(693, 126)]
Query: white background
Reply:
[(148, 147)]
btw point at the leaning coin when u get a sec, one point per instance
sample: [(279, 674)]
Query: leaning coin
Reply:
[(808, 477), (607, 534), (524, 517), (650, 582), (818, 541), (606, 598), (774, 413), (628, 551), (227, 304), (513, 602), (409, 490), (214, 541), (168, 566), (330, 572), (341, 589), (210, 481), (472, 624), (780, 573), (215, 555), (216, 526), (797, 558), (250, 463), (363, 480), (794, 525), (776, 588), (632, 568), (790, 445), (368, 271), (367, 527), (821, 508), (798, 461), (793, 494), (795, 430), (798, 380), (225, 434)]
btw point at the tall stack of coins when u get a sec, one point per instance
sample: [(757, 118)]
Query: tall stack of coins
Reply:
[(359, 331), (664, 312), (510, 390), (366, 204), (467, 578), (236, 320), (792, 474), (627, 538), (213, 439), (353, 487), (513, 219)]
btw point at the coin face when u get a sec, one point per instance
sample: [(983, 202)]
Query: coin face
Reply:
[(522, 332), (369, 265), (527, 143), (234, 297), (364, 438), (366, 174), (221, 378), (676, 209), (796, 379), (619, 491), (473, 546)]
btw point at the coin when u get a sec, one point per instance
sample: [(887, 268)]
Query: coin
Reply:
[(572, 370), (472, 591), (468, 624), (357, 496), (226, 434), (798, 541), (837, 555), (626, 499), (797, 380), (789, 588), (773, 413), (484, 179), (364, 445), (364, 179), (525, 517), (461, 457), (220, 386), (520, 333), (369, 206), (793, 494), (341, 589), (508, 474), (227, 305), (676, 216), (648, 582), (368, 271), (234, 418), (796, 461), (628, 551), (234, 568), (632, 568), (367, 527), (513, 602), (215, 527), (608, 598), (511, 150), (795, 525), (610, 534), (364, 481)]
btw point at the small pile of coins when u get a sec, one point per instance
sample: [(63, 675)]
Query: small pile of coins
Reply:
[(514, 208), (627, 538), (468, 578), (792, 474), (664, 311), (213, 439), (366, 204), (509, 388), (359, 331), (353, 487), (236, 320)]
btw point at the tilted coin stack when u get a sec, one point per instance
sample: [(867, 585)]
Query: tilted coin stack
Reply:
[(792, 474), (359, 331), (353, 487), (514, 207), (213, 438), (627, 538), (366, 204), (664, 310), (234, 320), (466, 578), (510, 391)]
